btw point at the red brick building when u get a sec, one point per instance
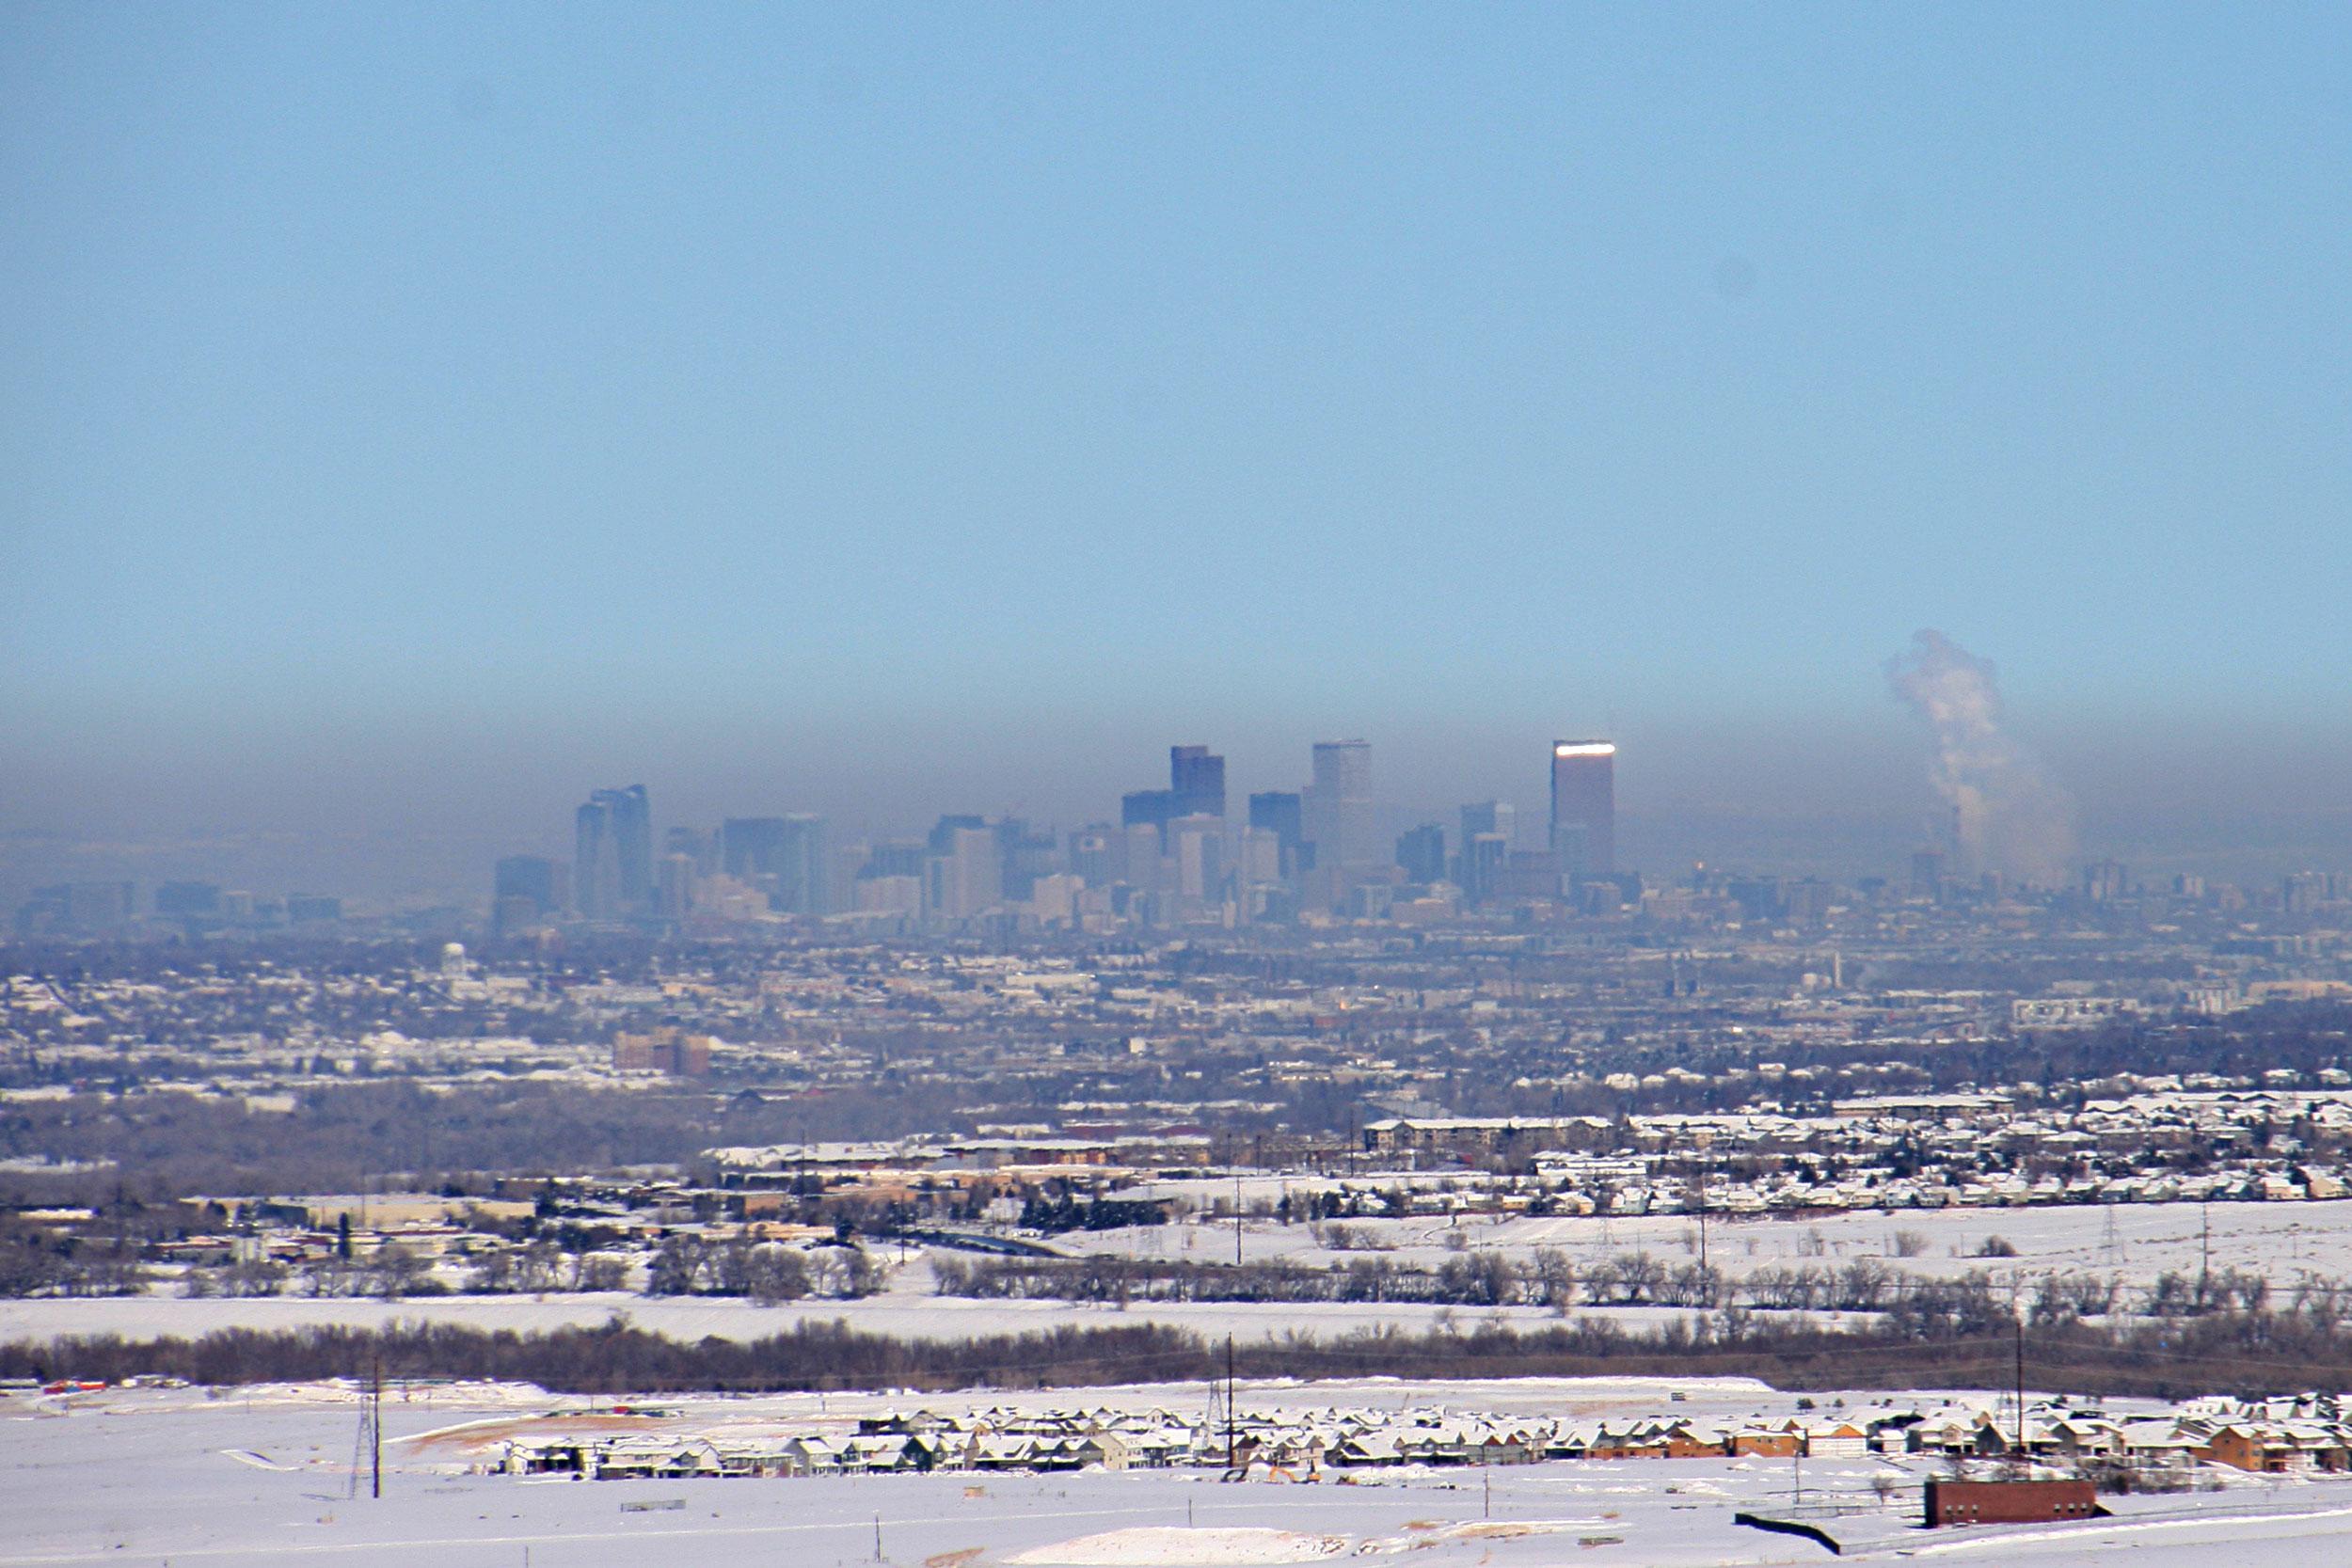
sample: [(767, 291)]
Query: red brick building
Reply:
[(2010, 1502)]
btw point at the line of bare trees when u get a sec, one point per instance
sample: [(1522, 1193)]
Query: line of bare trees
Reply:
[(2269, 1351), (1549, 1278)]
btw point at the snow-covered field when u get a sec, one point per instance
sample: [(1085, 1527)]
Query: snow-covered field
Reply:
[(909, 1311), (182, 1477), (2135, 1241)]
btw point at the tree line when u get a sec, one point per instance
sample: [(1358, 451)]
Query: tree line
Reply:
[(2267, 1350), (1549, 1278)]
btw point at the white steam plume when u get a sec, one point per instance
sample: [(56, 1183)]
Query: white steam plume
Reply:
[(2012, 818)]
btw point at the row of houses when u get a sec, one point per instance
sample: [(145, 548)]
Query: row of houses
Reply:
[(2306, 1436)]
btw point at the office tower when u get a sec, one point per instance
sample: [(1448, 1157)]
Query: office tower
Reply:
[(891, 895), (1337, 807), (1196, 846), (1278, 811), (1196, 780), (804, 876), (1421, 854), (532, 878), (1054, 899), (1024, 854), (695, 844), (1153, 808), (179, 901), (1098, 854), (787, 858), (676, 899), (1584, 806), (964, 881), (897, 857), (1485, 859), (632, 845), (312, 908), (596, 873), (2105, 881), (1489, 816), (943, 837), (1262, 857), (612, 853), (2302, 891), (78, 909), (1145, 858)]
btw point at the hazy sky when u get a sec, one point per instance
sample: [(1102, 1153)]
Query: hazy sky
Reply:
[(440, 410)]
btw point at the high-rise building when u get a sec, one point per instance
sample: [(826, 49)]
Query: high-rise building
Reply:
[(964, 881), (309, 909), (787, 858), (632, 844), (897, 857), (78, 909), (1485, 859), (180, 900), (1278, 811), (613, 853), (532, 877), (1196, 846), (1489, 816), (596, 871), (1337, 807), (1584, 806), (1098, 853), (1196, 778), (1421, 854), (1024, 854), (1153, 808), (943, 837), (694, 845), (1262, 857)]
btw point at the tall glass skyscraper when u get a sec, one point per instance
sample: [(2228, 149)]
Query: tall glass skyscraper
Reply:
[(1584, 806), (613, 853), (1338, 805), (788, 858), (1195, 777)]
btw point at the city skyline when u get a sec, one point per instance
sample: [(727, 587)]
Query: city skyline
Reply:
[(331, 510)]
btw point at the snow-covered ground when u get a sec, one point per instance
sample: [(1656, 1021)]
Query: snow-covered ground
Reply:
[(2136, 1241), (265, 1477), (909, 1311)]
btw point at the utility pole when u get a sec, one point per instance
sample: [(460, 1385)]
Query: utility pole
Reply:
[(1237, 1216), (376, 1430), (1702, 1221), (2204, 1256), (1233, 1443), (2021, 1395)]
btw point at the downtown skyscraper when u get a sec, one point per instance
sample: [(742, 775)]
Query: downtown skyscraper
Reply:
[(613, 853), (1337, 807), (1584, 806)]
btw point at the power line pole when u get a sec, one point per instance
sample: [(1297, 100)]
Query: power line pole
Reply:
[(1702, 1220), (2021, 1395), (2204, 1255), (1232, 1442), (1237, 1216)]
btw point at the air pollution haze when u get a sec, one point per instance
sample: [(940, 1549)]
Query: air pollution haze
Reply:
[(2010, 815)]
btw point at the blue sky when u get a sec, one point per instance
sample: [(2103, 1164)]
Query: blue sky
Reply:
[(516, 395)]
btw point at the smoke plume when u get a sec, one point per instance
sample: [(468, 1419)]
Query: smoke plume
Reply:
[(2010, 815)]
